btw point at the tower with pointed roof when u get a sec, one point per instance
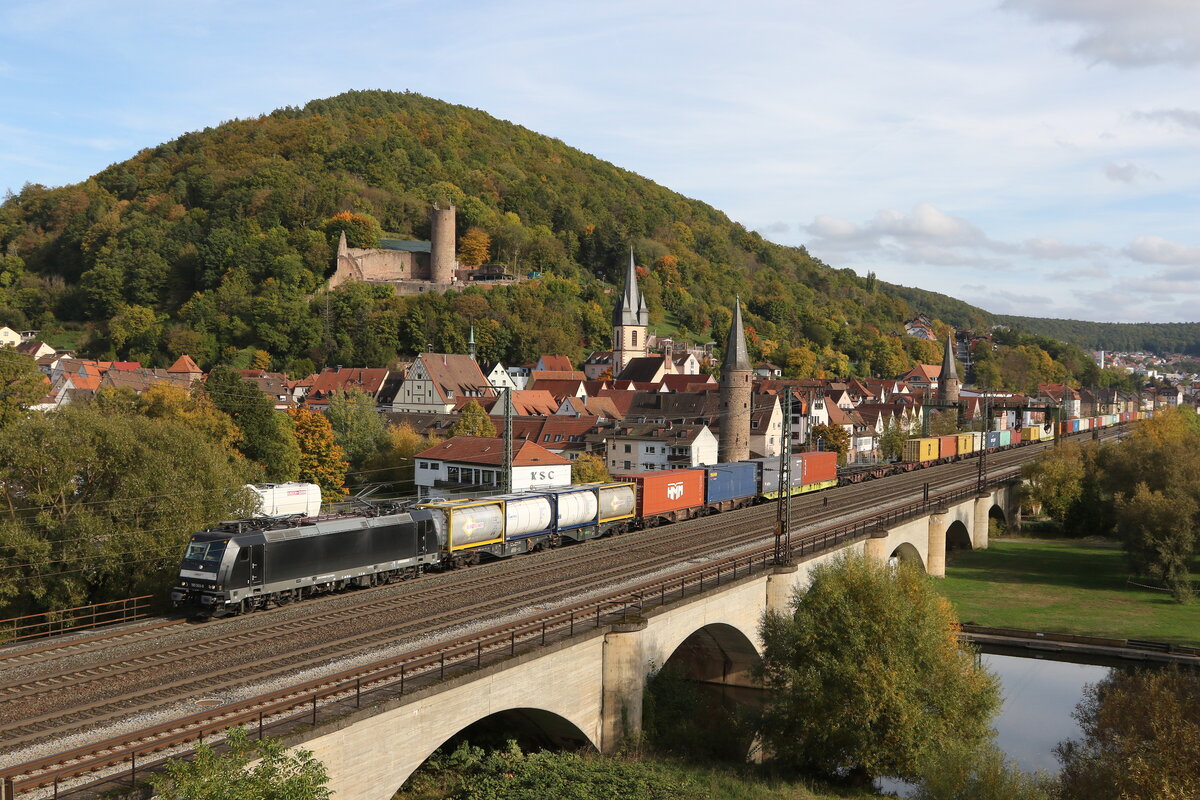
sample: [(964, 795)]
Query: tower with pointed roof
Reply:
[(631, 318), (736, 388), (948, 382)]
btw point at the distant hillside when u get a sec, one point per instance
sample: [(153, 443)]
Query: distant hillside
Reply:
[(1156, 337), (218, 243)]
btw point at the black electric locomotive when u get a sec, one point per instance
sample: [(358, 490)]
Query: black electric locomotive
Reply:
[(249, 564)]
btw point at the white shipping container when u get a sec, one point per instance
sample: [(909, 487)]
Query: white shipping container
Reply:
[(286, 499)]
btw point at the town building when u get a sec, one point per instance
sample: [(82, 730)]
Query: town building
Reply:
[(436, 381), (475, 465)]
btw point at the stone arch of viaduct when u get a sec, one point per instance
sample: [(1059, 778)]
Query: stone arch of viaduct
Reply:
[(589, 688)]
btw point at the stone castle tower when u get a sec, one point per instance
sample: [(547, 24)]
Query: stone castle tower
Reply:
[(736, 388), (441, 244), (630, 320), (948, 382)]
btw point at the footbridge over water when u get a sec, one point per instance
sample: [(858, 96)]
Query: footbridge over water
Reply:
[(585, 687)]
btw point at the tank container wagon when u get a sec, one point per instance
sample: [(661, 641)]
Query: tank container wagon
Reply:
[(507, 525)]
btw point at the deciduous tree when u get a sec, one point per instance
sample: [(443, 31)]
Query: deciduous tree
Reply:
[(1140, 741), (321, 460), (589, 468), (1056, 479), (357, 424), (267, 435), (473, 421), (96, 505), (21, 385), (891, 441), (277, 773), (866, 674), (474, 247), (832, 438)]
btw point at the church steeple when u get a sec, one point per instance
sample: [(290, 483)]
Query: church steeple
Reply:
[(630, 320), (630, 308)]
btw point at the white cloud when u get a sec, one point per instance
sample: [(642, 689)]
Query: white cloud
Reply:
[(1126, 33), (1129, 173), (774, 227), (1182, 117), (1156, 250)]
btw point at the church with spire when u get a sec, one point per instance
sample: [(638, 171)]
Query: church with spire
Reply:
[(631, 321)]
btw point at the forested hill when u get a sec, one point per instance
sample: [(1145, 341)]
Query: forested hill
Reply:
[(218, 244), (1156, 337)]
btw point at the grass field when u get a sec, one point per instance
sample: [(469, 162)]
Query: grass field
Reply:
[(1063, 586)]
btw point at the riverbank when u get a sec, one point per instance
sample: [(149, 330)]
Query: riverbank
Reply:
[(1064, 586)]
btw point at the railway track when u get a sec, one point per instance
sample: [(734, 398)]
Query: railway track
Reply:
[(31, 709), (647, 553)]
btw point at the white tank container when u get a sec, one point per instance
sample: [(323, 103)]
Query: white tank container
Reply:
[(286, 499), (468, 523), (526, 515), (618, 501), (576, 508)]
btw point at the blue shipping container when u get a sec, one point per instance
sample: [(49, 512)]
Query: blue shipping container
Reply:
[(993, 439), (731, 481)]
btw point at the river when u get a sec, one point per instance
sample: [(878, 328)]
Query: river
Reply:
[(1039, 696)]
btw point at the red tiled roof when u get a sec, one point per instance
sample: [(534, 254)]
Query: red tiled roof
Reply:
[(342, 379), (490, 450), (557, 364), (184, 364)]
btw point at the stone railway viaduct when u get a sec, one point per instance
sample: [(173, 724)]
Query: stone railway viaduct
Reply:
[(587, 689)]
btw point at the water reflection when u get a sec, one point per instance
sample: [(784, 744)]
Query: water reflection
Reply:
[(1039, 696)]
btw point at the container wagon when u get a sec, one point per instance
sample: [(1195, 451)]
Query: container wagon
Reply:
[(730, 485), (921, 450), (667, 495)]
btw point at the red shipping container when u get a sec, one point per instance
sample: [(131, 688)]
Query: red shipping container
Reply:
[(818, 467), (947, 446), (1016, 436), (667, 491)]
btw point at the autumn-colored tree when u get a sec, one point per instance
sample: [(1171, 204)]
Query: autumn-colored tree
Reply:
[(261, 360), (831, 438), (1140, 738), (362, 230), (866, 676), (1056, 479), (194, 409), (474, 246), (589, 468), (321, 460), (473, 421), (393, 464)]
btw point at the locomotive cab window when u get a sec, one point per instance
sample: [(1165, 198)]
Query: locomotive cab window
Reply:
[(205, 552), (244, 554)]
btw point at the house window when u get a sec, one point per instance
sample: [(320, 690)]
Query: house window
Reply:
[(627, 449), (626, 465), (634, 335), (558, 437)]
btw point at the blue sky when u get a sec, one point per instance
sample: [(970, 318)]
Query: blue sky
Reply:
[(1029, 156)]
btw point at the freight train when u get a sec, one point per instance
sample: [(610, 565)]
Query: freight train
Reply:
[(250, 564)]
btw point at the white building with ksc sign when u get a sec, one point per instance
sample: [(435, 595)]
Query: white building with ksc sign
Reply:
[(474, 465)]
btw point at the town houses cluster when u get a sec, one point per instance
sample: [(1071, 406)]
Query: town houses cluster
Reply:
[(647, 404)]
